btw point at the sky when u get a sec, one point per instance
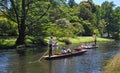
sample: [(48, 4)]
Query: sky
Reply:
[(99, 2)]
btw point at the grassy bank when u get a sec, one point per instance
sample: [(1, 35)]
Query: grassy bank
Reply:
[(113, 66), (7, 43), (77, 40), (87, 39)]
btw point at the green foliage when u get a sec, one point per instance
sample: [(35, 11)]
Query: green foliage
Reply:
[(67, 41), (43, 17), (60, 29), (85, 13), (77, 29), (7, 27), (96, 32), (7, 43), (38, 40), (86, 9), (107, 8), (77, 39), (115, 23), (71, 3), (88, 28)]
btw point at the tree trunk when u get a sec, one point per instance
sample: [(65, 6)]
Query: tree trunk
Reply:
[(21, 38), (108, 34), (21, 27)]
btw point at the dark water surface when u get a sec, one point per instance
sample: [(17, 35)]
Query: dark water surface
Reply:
[(92, 61)]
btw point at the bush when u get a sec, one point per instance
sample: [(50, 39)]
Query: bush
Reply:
[(39, 41), (67, 41), (116, 36)]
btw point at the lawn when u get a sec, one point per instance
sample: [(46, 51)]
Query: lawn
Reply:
[(8, 42)]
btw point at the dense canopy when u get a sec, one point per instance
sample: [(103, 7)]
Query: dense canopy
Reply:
[(45, 17)]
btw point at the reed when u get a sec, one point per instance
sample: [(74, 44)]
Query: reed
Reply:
[(113, 65)]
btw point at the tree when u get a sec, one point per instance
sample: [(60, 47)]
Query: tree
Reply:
[(86, 12), (90, 1), (21, 12), (71, 3), (99, 22), (7, 27), (86, 9), (107, 8), (115, 23)]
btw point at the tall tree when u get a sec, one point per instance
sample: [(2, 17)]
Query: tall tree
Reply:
[(115, 23), (90, 1), (86, 10), (107, 8), (21, 11), (71, 3), (99, 23)]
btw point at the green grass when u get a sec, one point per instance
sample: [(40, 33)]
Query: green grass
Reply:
[(77, 40), (88, 39), (6, 43), (113, 66)]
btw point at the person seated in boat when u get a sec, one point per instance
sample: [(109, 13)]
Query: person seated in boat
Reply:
[(64, 51), (69, 50), (81, 46), (56, 45)]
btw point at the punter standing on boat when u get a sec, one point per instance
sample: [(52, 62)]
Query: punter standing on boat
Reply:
[(95, 40), (51, 42)]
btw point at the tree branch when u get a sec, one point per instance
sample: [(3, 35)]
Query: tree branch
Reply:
[(41, 15), (8, 16), (16, 13)]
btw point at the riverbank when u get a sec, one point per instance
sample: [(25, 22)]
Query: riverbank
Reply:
[(113, 65), (77, 40), (8, 43)]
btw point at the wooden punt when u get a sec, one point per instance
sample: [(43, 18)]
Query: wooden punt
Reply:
[(73, 53), (90, 47), (87, 47)]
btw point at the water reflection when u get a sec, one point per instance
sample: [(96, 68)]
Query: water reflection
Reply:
[(50, 67), (90, 62), (60, 66), (3, 62), (22, 64), (78, 64)]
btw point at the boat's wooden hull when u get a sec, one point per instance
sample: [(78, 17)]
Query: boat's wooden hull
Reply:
[(74, 53)]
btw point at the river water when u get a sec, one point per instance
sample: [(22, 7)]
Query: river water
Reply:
[(92, 61)]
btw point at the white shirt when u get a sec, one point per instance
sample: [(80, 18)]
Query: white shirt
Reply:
[(63, 51), (51, 41)]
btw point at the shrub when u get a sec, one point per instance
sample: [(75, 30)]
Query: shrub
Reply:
[(67, 41)]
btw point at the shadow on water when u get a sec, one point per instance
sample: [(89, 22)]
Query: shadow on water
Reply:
[(22, 64), (91, 62)]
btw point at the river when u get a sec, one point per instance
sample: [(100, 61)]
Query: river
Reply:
[(92, 61)]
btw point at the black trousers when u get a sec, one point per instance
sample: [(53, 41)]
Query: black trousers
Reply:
[(95, 41), (50, 50)]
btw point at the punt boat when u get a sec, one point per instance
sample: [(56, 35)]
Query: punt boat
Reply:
[(73, 53)]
